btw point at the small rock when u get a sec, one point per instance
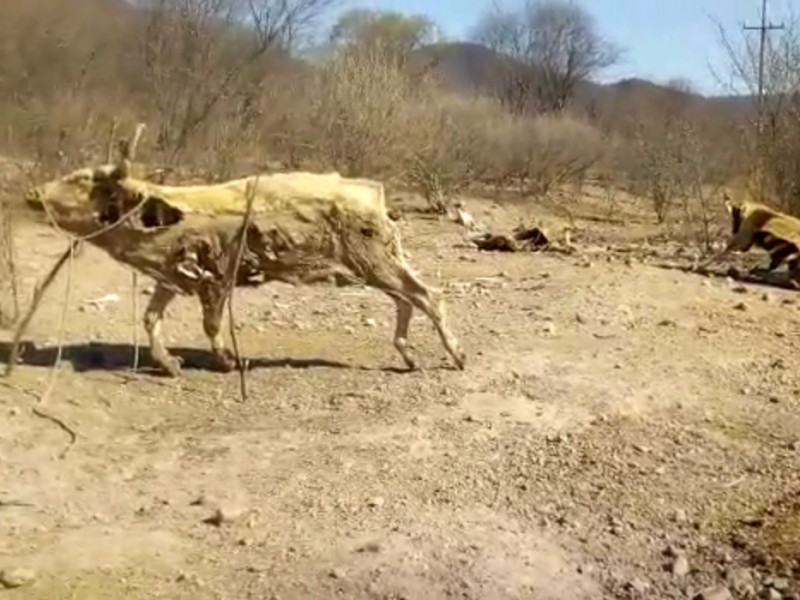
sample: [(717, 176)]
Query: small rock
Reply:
[(793, 446), (337, 573), (741, 581), (739, 289), (549, 328), (740, 306), (772, 594), (680, 566), (16, 578), (13, 411), (679, 516), (774, 400), (777, 583), (766, 297), (715, 593), (638, 586), (370, 322), (376, 502)]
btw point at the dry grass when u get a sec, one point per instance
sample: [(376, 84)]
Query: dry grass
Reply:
[(222, 99)]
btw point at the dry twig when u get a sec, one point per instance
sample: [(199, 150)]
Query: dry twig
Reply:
[(38, 294), (230, 283)]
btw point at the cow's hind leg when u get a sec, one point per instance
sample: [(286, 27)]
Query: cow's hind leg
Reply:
[(414, 293), (153, 317), (213, 304), (405, 310)]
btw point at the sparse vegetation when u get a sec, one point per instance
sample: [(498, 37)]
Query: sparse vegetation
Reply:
[(772, 144), (593, 383)]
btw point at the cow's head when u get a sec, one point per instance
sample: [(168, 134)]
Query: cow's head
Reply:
[(736, 211), (94, 197)]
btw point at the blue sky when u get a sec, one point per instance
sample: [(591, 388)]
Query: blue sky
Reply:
[(662, 38)]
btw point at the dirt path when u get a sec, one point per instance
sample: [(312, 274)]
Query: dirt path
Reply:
[(621, 431)]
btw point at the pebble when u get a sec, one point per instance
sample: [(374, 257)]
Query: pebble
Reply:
[(715, 593), (778, 583), (740, 306), (638, 586), (376, 502), (680, 567), (772, 594), (16, 578), (679, 516), (741, 581), (337, 573)]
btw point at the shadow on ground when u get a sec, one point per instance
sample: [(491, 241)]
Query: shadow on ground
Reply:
[(96, 356)]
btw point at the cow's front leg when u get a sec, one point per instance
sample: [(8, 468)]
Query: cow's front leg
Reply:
[(213, 304), (153, 316)]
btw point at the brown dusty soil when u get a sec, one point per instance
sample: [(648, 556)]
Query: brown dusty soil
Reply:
[(621, 431)]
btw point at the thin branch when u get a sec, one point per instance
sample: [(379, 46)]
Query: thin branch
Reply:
[(38, 294), (230, 282)]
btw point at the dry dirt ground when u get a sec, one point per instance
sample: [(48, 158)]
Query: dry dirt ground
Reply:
[(621, 431)]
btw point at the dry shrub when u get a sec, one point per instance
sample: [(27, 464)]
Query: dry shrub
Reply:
[(353, 118), (780, 156), (448, 136), (221, 98), (544, 152), (675, 167)]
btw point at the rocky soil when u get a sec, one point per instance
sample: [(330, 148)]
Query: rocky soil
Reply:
[(622, 430)]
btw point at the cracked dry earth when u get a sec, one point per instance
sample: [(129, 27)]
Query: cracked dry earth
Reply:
[(621, 431)]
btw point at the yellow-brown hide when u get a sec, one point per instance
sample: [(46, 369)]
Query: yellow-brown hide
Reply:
[(757, 218), (302, 223)]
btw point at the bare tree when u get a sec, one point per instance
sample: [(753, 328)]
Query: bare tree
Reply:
[(387, 31), (199, 52), (773, 143), (552, 45)]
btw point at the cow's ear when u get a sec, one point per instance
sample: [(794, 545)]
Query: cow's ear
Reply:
[(127, 153), (728, 203)]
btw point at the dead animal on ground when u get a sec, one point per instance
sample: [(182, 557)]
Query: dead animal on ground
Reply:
[(755, 224), (524, 238), (304, 228)]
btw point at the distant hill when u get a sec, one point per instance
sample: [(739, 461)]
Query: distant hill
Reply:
[(474, 68)]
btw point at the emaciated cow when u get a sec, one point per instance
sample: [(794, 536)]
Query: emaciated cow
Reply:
[(304, 228)]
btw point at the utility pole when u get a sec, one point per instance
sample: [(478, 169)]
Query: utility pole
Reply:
[(762, 29), (760, 153)]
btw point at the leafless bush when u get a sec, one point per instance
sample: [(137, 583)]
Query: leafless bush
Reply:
[(352, 120), (674, 167), (447, 150), (536, 155)]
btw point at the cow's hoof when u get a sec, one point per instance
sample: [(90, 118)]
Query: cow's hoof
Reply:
[(225, 362), (171, 365), (411, 364)]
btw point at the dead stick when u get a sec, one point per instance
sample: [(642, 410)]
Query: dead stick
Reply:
[(37, 298), (231, 276), (135, 285)]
